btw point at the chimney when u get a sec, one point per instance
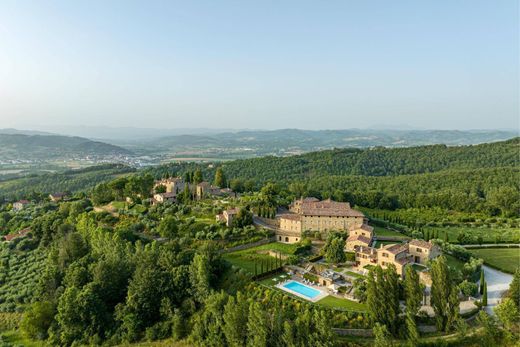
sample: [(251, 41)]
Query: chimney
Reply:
[(381, 246)]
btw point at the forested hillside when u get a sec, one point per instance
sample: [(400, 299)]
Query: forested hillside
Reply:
[(378, 161), (71, 180), (24, 147)]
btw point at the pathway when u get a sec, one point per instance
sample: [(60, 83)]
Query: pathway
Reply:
[(497, 283)]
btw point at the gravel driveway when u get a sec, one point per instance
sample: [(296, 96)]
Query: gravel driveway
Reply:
[(497, 283)]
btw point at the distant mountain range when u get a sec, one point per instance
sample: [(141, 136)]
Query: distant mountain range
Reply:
[(230, 144), (17, 146), (295, 141)]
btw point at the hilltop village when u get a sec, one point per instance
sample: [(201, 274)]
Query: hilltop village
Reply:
[(323, 254)]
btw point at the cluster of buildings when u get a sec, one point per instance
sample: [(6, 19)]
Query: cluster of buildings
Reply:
[(176, 185), (321, 216)]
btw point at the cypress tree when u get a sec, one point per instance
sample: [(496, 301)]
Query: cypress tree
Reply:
[(484, 295), (482, 281), (412, 334)]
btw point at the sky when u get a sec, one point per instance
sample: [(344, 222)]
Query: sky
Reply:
[(432, 64)]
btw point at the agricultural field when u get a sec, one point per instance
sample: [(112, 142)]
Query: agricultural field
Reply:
[(504, 259), (19, 275), (489, 235)]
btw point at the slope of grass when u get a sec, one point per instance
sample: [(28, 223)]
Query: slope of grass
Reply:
[(505, 259), (334, 302)]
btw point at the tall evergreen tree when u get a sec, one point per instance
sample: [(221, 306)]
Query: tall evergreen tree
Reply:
[(220, 178), (482, 281), (257, 330), (443, 294), (197, 176)]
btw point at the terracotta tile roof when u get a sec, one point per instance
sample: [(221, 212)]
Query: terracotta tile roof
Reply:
[(19, 233), (421, 244), (329, 208), (366, 250), (404, 260), (363, 226), (361, 238), (396, 248)]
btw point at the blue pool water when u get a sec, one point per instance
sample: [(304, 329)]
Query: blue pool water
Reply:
[(302, 289)]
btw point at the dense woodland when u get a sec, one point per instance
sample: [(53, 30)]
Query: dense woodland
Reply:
[(475, 179), (36, 187)]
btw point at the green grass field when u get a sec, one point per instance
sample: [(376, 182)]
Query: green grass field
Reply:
[(379, 231), (332, 301), (505, 259), (247, 258), (454, 262)]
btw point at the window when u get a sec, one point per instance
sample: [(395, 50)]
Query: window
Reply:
[(385, 255), (419, 250)]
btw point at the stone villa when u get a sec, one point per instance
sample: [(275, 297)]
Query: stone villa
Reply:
[(227, 216), (311, 214), (401, 255)]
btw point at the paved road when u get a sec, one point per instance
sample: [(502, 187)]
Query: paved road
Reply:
[(497, 283)]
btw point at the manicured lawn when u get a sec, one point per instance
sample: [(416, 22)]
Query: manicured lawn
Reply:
[(247, 261), (247, 258), (379, 231), (332, 301), (505, 259), (286, 248), (454, 262)]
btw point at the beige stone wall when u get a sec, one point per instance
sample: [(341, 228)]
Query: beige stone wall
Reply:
[(287, 238), (350, 245), (324, 223), (423, 255), (385, 258), (290, 225)]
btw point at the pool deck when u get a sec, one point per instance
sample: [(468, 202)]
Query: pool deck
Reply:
[(323, 291)]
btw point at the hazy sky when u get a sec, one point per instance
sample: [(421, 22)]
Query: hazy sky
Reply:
[(260, 64)]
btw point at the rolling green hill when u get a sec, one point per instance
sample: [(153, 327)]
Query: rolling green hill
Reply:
[(44, 147)]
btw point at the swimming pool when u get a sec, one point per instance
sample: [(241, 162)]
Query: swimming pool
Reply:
[(302, 289)]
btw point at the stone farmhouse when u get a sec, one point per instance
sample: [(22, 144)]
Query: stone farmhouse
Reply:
[(205, 189), (311, 214), (56, 197), (227, 216), (20, 205), (400, 255), (173, 184)]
